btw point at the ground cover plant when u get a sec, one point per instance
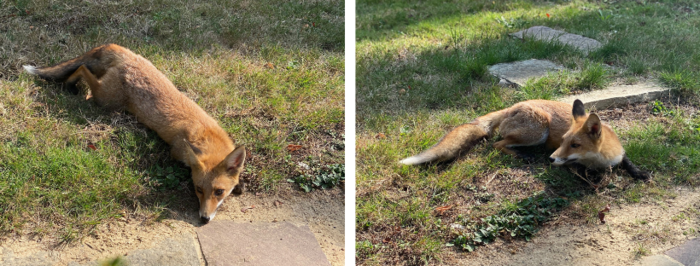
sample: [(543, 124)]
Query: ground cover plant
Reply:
[(270, 72), (421, 69)]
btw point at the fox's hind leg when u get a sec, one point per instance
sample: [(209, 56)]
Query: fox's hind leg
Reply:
[(83, 72), (107, 97), (524, 128)]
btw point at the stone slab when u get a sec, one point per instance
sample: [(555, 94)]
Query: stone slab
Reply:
[(618, 96), (542, 33), (660, 260), (171, 251), (231, 243), (42, 258), (520, 72), (688, 253)]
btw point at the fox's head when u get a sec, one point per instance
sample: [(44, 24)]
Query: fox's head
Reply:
[(215, 182), (588, 142)]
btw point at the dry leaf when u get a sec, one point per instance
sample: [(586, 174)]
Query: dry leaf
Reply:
[(293, 148), (245, 209), (443, 209), (270, 66), (381, 136), (92, 147)]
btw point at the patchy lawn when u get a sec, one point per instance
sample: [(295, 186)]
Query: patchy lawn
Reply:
[(271, 73), (421, 69)]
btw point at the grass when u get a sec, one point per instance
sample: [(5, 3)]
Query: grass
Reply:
[(271, 73), (421, 69)]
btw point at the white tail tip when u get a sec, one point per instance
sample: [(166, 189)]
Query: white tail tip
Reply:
[(30, 69), (411, 160)]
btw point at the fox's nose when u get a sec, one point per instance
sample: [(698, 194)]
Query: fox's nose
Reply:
[(551, 160), (205, 220)]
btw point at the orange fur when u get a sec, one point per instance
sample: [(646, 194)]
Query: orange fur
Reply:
[(588, 142)]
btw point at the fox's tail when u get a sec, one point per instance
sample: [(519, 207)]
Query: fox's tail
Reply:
[(93, 60), (459, 140)]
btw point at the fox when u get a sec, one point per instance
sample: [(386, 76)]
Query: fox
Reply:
[(119, 79), (577, 138)]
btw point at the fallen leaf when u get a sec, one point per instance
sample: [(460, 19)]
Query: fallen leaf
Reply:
[(443, 209), (293, 148), (245, 209), (270, 66), (92, 147), (381, 136), (601, 213)]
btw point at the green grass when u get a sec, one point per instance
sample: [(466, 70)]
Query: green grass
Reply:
[(271, 73), (421, 69)]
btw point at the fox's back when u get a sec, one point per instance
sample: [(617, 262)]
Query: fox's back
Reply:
[(155, 100), (158, 104)]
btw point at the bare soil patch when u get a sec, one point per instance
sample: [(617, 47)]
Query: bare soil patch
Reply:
[(654, 226)]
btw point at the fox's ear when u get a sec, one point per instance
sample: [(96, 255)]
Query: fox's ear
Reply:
[(593, 126), (235, 160), (191, 153), (579, 109)]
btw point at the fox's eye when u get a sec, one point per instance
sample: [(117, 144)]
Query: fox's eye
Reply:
[(219, 192), (574, 145), (199, 190)]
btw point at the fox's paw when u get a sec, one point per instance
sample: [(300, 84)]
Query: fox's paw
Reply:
[(643, 176)]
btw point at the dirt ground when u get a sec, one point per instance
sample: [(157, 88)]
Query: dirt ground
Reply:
[(654, 226), (323, 211)]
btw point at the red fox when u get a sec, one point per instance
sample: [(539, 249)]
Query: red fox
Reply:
[(577, 137), (121, 79)]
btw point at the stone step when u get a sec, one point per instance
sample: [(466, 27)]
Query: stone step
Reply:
[(542, 33), (232, 243), (520, 72), (171, 251), (659, 260), (688, 254), (618, 96)]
